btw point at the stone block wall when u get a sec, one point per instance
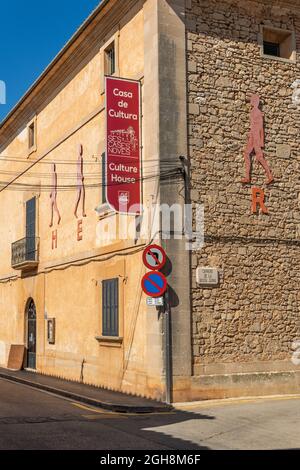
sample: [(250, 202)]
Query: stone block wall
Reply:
[(252, 317)]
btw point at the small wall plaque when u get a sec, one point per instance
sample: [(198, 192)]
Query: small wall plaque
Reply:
[(51, 330), (207, 276)]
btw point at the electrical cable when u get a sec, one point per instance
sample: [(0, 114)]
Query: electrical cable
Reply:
[(73, 161), (17, 186)]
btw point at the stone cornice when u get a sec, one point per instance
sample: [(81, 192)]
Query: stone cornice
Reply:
[(83, 45)]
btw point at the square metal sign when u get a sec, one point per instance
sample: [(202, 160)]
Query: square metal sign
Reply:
[(155, 302)]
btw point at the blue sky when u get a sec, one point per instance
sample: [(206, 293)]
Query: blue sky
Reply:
[(31, 34)]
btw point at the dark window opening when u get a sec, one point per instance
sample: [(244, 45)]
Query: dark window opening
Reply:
[(272, 48), (278, 43)]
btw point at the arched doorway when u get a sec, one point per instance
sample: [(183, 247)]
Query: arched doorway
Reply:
[(31, 334)]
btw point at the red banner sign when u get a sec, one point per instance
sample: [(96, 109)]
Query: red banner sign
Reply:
[(123, 156)]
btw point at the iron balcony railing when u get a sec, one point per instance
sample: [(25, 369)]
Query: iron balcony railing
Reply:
[(25, 252)]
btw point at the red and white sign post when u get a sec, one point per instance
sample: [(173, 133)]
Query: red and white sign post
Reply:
[(123, 155)]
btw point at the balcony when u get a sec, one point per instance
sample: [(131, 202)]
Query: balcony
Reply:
[(25, 253)]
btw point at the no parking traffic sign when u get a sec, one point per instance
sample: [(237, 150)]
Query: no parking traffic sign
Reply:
[(154, 284), (154, 257)]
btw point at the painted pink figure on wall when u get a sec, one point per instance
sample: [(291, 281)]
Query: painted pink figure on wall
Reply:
[(256, 141), (53, 196), (80, 183)]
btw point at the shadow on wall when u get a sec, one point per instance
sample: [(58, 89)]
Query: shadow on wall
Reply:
[(199, 22), (168, 145)]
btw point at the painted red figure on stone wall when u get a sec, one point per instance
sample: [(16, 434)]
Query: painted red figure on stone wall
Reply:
[(256, 141)]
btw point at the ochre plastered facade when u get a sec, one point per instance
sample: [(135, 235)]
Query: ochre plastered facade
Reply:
[(69, 109)]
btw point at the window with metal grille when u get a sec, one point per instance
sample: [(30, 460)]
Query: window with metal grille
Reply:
[(110, 59), (110, 307)]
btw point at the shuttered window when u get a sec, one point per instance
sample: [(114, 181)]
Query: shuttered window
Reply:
[(110, 59), (110, 307), (30, 228)]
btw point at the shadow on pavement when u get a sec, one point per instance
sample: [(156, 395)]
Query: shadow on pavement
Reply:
[(156, 428)]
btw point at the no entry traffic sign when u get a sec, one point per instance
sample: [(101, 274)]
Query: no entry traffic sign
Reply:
[(154, 284), (154, 257)]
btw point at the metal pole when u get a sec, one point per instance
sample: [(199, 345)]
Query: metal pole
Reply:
[(167, 347)]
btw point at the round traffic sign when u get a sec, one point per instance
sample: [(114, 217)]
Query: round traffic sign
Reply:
[(154, 257), (154, 284)]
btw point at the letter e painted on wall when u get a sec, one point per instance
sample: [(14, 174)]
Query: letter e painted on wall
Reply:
[(54, 239), (79, 230)]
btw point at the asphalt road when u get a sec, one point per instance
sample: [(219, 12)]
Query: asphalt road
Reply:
[(31, 419)]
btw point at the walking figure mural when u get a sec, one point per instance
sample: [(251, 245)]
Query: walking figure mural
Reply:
[(53, 196), (80, 183), (256, 142)]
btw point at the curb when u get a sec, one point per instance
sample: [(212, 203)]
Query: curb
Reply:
[(119, 408)]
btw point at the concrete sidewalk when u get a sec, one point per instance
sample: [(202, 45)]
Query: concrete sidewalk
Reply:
[(99, 397)]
